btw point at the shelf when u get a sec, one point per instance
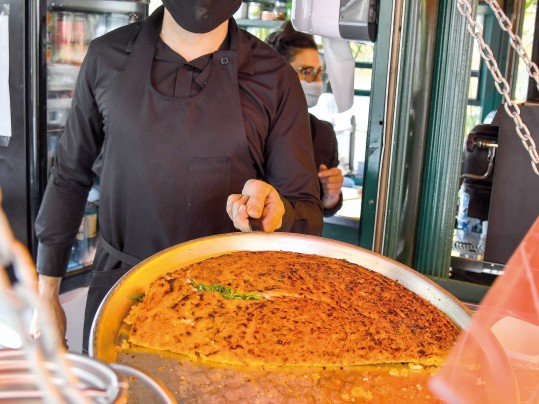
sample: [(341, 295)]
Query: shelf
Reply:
[(103, 6), (246, 23), (54, 130), (467, 254), (476, 266), (466, 292)]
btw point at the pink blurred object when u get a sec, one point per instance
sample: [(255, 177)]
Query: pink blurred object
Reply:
[(497, 359)]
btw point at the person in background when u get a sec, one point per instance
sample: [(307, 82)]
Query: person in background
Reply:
[(179, 117), (301, 52)]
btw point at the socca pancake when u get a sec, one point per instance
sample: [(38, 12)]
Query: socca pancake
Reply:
[(288, 309)]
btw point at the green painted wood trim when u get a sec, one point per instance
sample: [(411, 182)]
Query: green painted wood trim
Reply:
[(498, 40), (444, 144), (410, 129), (464, 291), (362, 93), (363, 65), (341, 233), (375, 129)]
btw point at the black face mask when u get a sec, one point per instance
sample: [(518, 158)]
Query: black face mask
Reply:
[(201, 16)]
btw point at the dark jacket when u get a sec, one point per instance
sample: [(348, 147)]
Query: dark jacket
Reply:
[(325, 151)]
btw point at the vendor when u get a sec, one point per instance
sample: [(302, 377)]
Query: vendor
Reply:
[(180, 118)]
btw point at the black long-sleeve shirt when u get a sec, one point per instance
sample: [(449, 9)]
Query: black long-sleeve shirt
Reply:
[(274, 116)]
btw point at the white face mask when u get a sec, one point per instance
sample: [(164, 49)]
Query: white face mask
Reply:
[(312, 91)]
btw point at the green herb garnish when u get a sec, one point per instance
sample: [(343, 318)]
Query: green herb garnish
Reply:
[(137, 298), (226, 291)]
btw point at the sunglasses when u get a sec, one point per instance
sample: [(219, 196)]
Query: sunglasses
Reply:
[(312, 73)]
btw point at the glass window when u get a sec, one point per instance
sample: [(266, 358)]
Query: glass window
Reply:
[(362, 53), (473, 111), (528, 26), (473, 117), (351, 146), (473, 91), (476, 56), (362, 79)]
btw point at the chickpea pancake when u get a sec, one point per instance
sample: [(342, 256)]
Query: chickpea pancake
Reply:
[(277, 308)]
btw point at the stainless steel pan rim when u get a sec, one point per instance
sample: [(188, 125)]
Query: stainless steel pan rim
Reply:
[(107, 322), (96, 381)]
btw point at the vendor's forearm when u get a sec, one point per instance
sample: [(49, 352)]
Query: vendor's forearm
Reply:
[(49, 285)]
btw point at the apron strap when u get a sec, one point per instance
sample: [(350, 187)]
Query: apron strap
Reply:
[(119, 255)]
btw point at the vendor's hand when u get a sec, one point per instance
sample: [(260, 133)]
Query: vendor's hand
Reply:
[(49, 296), (332, 180), (258, 200), (14, 252)]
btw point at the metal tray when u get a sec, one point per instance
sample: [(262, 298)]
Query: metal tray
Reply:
[(107, 325)]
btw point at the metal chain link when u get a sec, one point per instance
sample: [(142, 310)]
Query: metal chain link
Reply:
[(515, 41), (500, 82)]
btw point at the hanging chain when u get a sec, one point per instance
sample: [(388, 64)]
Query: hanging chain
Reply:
[(500, 82), (515, 41)]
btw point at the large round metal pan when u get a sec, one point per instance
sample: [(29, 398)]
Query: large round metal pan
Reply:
[(107, 324)]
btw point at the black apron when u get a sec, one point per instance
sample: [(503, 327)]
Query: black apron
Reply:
[(193, 152)]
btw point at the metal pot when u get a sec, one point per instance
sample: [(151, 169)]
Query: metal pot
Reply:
[(95, 380)]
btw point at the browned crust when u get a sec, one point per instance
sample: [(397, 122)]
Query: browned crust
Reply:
[(318, 311)]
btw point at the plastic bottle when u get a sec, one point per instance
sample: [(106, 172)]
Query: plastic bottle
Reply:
[(288, 10), (462, 213), (78, 49), (279, 10), (49, 39), (254, 12), (63, 31)]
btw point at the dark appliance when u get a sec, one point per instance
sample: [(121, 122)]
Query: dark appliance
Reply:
[(477, 173), (478, 169), (514, 204), (506, 198), (515, 192)]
